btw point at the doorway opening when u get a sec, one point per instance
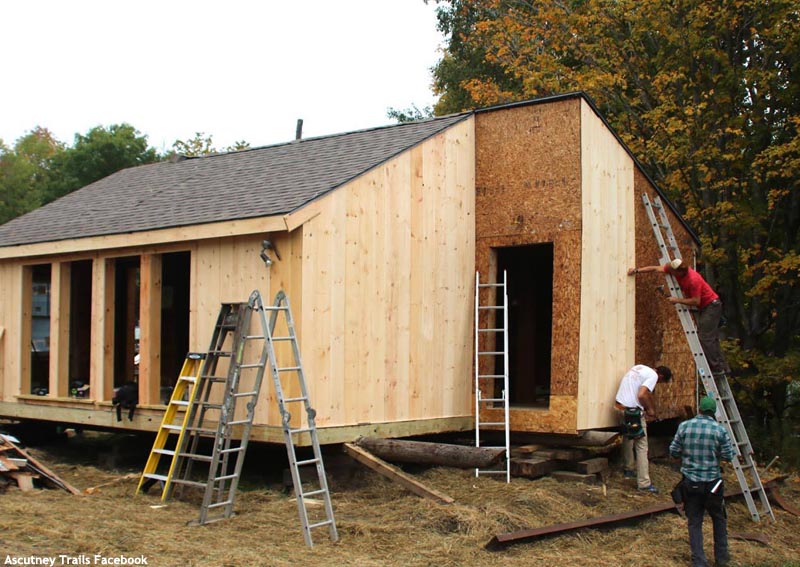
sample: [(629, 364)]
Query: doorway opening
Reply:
[(126, 320), (530, 320), (40, 329), (80, 328), (175, 270)]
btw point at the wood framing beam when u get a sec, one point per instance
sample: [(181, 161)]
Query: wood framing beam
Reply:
[(101, 374), (150, 329), (146, 238), (26, 323), (60, 280), (393, 473)]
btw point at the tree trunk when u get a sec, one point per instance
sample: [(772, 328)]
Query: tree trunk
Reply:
[(458, 456)]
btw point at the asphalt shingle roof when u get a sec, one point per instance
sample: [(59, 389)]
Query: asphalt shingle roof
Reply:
[(252, 183)]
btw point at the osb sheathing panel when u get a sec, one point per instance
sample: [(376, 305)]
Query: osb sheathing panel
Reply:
[(660, 339), (559, 417), (528, 192)]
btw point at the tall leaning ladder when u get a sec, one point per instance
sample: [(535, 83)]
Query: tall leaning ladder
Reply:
[(217, 410), (173, 426), (715, 386), (293, 377), (487, 338)]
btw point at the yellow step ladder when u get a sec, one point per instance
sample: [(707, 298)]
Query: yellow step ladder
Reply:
[(174, 423)]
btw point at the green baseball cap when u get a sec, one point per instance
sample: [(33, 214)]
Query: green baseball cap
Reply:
[(708, 404)]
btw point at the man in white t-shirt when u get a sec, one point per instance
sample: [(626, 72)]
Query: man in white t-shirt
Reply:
[(635, 400)]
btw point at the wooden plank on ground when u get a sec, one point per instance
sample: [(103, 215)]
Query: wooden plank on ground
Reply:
[(24, 480), (591, 466), (760, 538), (533, 467), (393, 473)]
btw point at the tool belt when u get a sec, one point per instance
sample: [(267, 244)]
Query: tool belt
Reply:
[(632, 427)]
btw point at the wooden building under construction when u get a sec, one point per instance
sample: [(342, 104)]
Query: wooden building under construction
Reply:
[(378, 235)]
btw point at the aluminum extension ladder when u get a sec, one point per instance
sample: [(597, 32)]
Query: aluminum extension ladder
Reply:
[(214, 411), (716, 386), (294, 378), (494, 317), (173, 426)]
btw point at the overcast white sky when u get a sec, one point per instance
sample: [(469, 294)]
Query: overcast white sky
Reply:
[(234, 69)]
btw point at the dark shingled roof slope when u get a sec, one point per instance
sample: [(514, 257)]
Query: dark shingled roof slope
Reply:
[(253, 183)]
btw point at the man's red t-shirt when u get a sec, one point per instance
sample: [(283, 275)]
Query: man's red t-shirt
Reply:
[(693, 285)]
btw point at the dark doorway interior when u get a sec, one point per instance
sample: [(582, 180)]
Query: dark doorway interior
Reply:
[(126, 320), (175, 269), (530, 321), (40, 329), (80, 322)]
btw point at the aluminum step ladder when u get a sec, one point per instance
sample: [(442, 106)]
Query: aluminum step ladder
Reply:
[(716, 386), (291, 378), (218, 408), (491, 390), (173, 426)]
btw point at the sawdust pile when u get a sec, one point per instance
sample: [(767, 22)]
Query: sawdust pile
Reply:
[(379, 523)]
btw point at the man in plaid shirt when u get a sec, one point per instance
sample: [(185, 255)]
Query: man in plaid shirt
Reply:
[(701, 443)]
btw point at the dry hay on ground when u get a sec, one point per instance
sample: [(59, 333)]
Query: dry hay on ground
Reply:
[(379, 524)]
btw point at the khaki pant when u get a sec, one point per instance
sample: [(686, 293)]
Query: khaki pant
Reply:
[(638, 462)]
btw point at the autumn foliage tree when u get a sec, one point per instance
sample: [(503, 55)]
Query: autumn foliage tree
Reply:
[(706, 93)]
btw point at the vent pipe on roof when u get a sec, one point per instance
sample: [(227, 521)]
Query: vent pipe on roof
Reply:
[(298, 133)]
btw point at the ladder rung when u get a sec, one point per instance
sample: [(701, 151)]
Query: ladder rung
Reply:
[(300, 399), (251, 365), (491, 352), (156, 476), (232, 450), (492, 399), (164, 451), (212, 378), (276, 339), (492, 423), (272, 308), (301, 430), (195, 457), (182, 403), (239, 422), (491, 330), (202, 430), (307, 462), (492, 472), (243, 394), (209, 405), (493, 376), (219, 352), (171, 427), (253, 337), (289, 368), (190, 379), (314, 492), (320, 524), (189, 482), (490, 307), (490, 285), (219, 504), (225, 477)]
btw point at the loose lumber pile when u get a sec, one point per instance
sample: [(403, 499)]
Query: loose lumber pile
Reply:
[(18, 467)]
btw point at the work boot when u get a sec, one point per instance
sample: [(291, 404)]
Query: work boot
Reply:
[(651, 489)]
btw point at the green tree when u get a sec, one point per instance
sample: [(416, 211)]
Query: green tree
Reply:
[(706, 94), (25, 171), (410, 114), (202, 145), (97, 154)]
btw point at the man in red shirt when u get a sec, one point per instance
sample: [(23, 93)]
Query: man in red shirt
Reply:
[(698, 294)]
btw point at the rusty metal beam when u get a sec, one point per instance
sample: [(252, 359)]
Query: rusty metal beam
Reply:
[(500, 541)]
